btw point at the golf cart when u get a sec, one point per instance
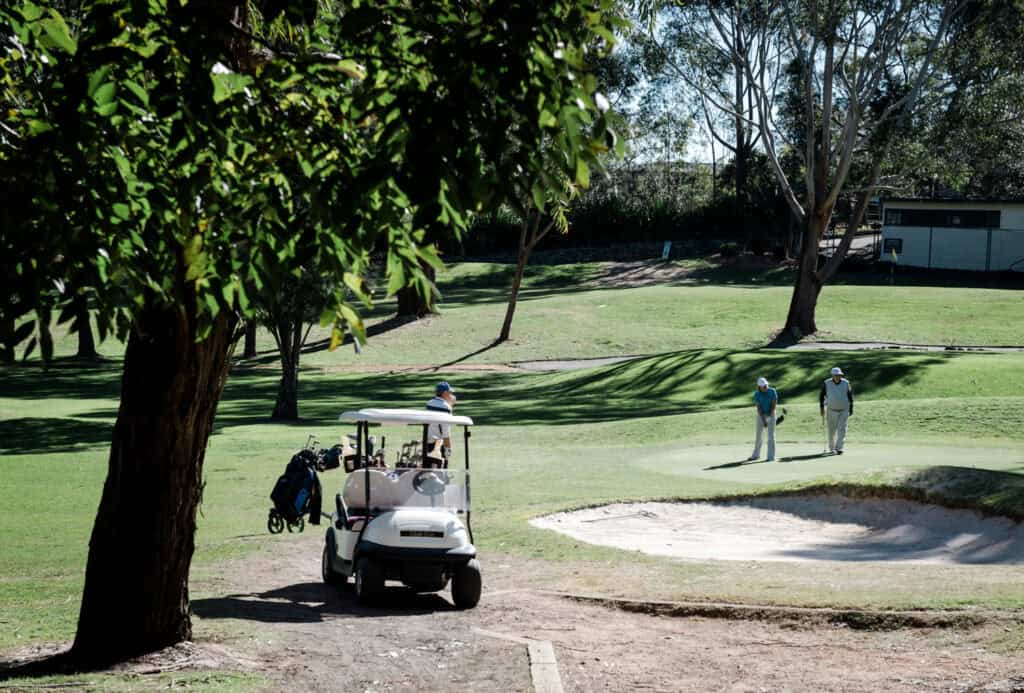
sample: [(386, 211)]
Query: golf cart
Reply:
[(410, 522)]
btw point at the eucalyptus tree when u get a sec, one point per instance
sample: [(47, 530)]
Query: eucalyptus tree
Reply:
[(688, 64), (184, 157), (859, 69)]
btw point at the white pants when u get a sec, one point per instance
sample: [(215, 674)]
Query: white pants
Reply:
[(836, 427), (759, 428)]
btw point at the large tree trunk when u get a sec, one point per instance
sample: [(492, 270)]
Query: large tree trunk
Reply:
[(800, 320), (289, 340), (136, 582), (83, 326)]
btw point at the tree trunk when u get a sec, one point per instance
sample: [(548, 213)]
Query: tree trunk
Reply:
[(6, 347), (136, 581), (289, 342), (249, 351), (517, 280), (83, 326), (800, 321), (411, 303), (44, 315)]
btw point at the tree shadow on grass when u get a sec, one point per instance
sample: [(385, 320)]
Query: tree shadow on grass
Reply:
[(674, 383), (59, 664), (30, 436), (986, 490), (311, 602), (31, 381)]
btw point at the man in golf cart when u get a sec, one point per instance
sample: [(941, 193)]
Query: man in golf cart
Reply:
[(440, 435)]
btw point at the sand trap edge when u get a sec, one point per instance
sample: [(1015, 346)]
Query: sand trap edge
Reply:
[(917, 493), (858, 619)]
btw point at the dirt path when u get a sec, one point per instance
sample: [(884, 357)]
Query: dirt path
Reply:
[(272, 608)]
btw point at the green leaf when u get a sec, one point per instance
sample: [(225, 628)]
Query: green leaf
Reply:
[(538, 196), (582, 173), (354, 322), (38, 127), (97, 78), (107, 110), (58, 32), (337, 337), (228, 84), (350, 68), (104, 93)]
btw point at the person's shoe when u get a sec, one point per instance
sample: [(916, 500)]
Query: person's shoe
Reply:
[(751, 458), (769, 459), (839, 452)]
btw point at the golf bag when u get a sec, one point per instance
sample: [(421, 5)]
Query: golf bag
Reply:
[(298, 491)]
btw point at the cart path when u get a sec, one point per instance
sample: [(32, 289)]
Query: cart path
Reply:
[(271, 607)]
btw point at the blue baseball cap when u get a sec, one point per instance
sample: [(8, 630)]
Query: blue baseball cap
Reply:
[(442, 387)]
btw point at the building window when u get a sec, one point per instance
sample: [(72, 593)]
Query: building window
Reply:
[(944, 218)]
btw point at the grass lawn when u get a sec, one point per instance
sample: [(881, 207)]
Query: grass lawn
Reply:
[(705, 307), (649, 428)]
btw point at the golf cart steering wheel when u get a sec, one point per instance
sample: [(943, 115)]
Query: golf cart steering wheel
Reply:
[(428, 483)]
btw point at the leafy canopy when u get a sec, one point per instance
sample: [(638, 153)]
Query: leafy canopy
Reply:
[(177, 153)]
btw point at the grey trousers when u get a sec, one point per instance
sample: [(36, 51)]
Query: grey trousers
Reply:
[(836, 427), (759, 427)]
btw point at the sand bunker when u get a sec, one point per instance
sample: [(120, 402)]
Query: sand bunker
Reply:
[(798, 528)]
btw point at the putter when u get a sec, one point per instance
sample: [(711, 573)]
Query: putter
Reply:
[(824, 428)]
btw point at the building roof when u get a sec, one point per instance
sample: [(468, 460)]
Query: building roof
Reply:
[(945, 202)]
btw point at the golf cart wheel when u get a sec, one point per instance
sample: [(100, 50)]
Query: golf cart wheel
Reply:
[(328, 573), (369, 580), (297, 526), (466, 585), (275, 523)]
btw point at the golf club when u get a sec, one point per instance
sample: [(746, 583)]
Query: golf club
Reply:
[(824, 428)]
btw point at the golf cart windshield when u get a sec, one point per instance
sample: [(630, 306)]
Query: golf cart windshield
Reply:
[(412, 487)]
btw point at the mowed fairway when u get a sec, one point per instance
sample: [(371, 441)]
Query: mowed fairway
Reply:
[(671, 425)]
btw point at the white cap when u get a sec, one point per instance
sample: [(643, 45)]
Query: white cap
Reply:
[(837, 371), (762, 382)]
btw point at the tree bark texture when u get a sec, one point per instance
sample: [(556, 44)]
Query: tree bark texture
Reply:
[(136, 596), (249, 351), (803, 304), (289, 341), (517, 280), (529, 236), (44, 314), (83, 326)]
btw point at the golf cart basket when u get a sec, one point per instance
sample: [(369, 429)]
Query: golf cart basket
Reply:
[(424, 482)]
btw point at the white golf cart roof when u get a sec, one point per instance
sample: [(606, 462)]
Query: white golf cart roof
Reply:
[(405, 416)]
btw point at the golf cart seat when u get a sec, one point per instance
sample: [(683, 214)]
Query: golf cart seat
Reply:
[(346, 518), (381, 490)]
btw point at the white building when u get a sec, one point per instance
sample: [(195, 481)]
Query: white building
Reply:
[(954, 234)]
